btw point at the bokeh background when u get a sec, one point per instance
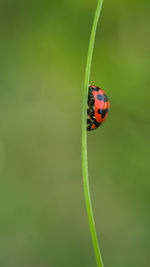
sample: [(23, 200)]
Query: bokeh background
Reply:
[(43, 49)]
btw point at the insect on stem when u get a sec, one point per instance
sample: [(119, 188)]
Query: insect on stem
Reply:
[(84, 139)]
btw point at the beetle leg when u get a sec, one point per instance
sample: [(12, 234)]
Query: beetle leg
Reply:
[(90, 124), (90, 111), (90, 97)]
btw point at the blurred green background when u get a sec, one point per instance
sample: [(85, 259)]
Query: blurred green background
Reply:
[(43, 49)]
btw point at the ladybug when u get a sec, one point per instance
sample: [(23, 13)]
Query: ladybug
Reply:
[(98, 107)]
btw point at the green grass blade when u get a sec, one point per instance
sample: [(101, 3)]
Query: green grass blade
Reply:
[(84, 139)]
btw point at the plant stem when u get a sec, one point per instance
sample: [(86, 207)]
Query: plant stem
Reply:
[(84, 139)]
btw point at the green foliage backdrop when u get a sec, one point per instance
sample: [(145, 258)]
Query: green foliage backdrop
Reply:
[(43, 51)]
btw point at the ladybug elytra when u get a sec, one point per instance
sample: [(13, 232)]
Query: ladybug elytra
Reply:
[(98, 107)]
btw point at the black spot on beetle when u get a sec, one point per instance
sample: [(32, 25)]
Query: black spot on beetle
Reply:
[(94, 88), (99, 111), (97, 124), (103, 112), (105, 98), (100, 97)]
